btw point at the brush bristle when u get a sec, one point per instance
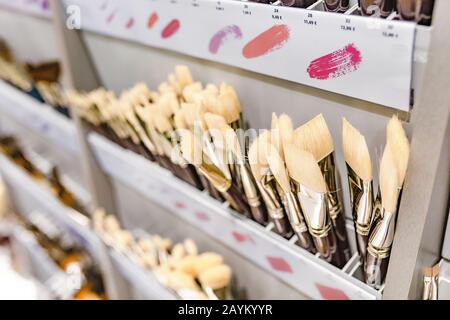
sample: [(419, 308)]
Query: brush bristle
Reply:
[(303, 168), (356, 153), (286, 129), (215, 121), (188, 265), (183, 75), (398, 140), (191, 247), (208, 260), (190, 148), (257, 155), (162, 124), (228, 107), (226, 88), (179, 120), (315, 137), (179, 280), (276, 135), (428, 272), (278, 168), (191, 92), (388, 180), (216, 277), (436, 270)]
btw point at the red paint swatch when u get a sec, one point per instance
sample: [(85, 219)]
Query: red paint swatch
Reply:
[(335, 64), (111, 17), (240, 237), (130, 23), (179, 205), (279, 264), (202, 216), (271, 39), (328, 293), (170, 29), (152, 20)]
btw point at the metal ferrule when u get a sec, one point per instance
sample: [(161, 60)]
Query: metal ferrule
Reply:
[(382, 235), (215, 176), (434, 288), (361, 200), (315, 210), (336, 5), (328, 169), (249, 187), (271, 197), (294, 212)]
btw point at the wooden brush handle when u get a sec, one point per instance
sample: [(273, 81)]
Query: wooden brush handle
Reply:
[(375, 271), (306, 242), (234, 196), (283, 227), (361, 245), (259, 213)]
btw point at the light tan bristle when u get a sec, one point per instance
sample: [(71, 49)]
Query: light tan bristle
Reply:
[(303, 168), (216, 277), (215, 121), (226, 88), (388, 180), (111, 224), (212, 88), (178, 251), (428, 272), (398, 140), (315, 137), (191, 247), (278, 168), (286, 129), (183, 75), (190, 91), (356, 153), (208, 260), (257, 155), (179, 280), (162, 124), (179, 120), (436, 270), (190, 148), (229, 107), (188, 265), (276, 135), (233, 144)]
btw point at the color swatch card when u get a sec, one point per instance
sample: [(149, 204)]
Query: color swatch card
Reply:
[(366, 58)]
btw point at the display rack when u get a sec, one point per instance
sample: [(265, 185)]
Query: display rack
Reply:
[(276, 255), (39, 8), (39, 117), (150, 51)]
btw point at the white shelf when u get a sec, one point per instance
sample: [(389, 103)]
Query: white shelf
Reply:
[(27, 196), (38, 117), (444, 281), (285, 261), (385, 53), (142, 280)]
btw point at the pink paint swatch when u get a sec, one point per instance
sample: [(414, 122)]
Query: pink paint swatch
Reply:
[(279, 264), (222, 35), (328, 293), (171, 28), (130, 23), (272, 39), (111, 17), (335, 64), (152, 20)]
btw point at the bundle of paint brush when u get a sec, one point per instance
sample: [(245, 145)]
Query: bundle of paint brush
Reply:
[(411, 10), (39, 81), (375, 220), (51, 180), (297, 169), (152, 123), (179, 267)]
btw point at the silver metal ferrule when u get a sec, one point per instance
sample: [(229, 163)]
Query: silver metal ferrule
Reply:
[(315, 211), (382, 235), (249, 187), (328, 169), (427, 288), (361, 200), (294, 212), (271, 197)]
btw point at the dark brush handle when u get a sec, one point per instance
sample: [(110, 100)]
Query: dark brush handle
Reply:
[(236, 199), (375, 271), (259, 213)]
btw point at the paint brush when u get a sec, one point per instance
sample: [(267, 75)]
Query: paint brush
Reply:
[(415, 10), (226, 133), (359, 167), (311, 189), (267, 185), (382, 234), (336, 5), (315, 137), (376, 8), (192, 151), (215, 282), (297, 3)]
